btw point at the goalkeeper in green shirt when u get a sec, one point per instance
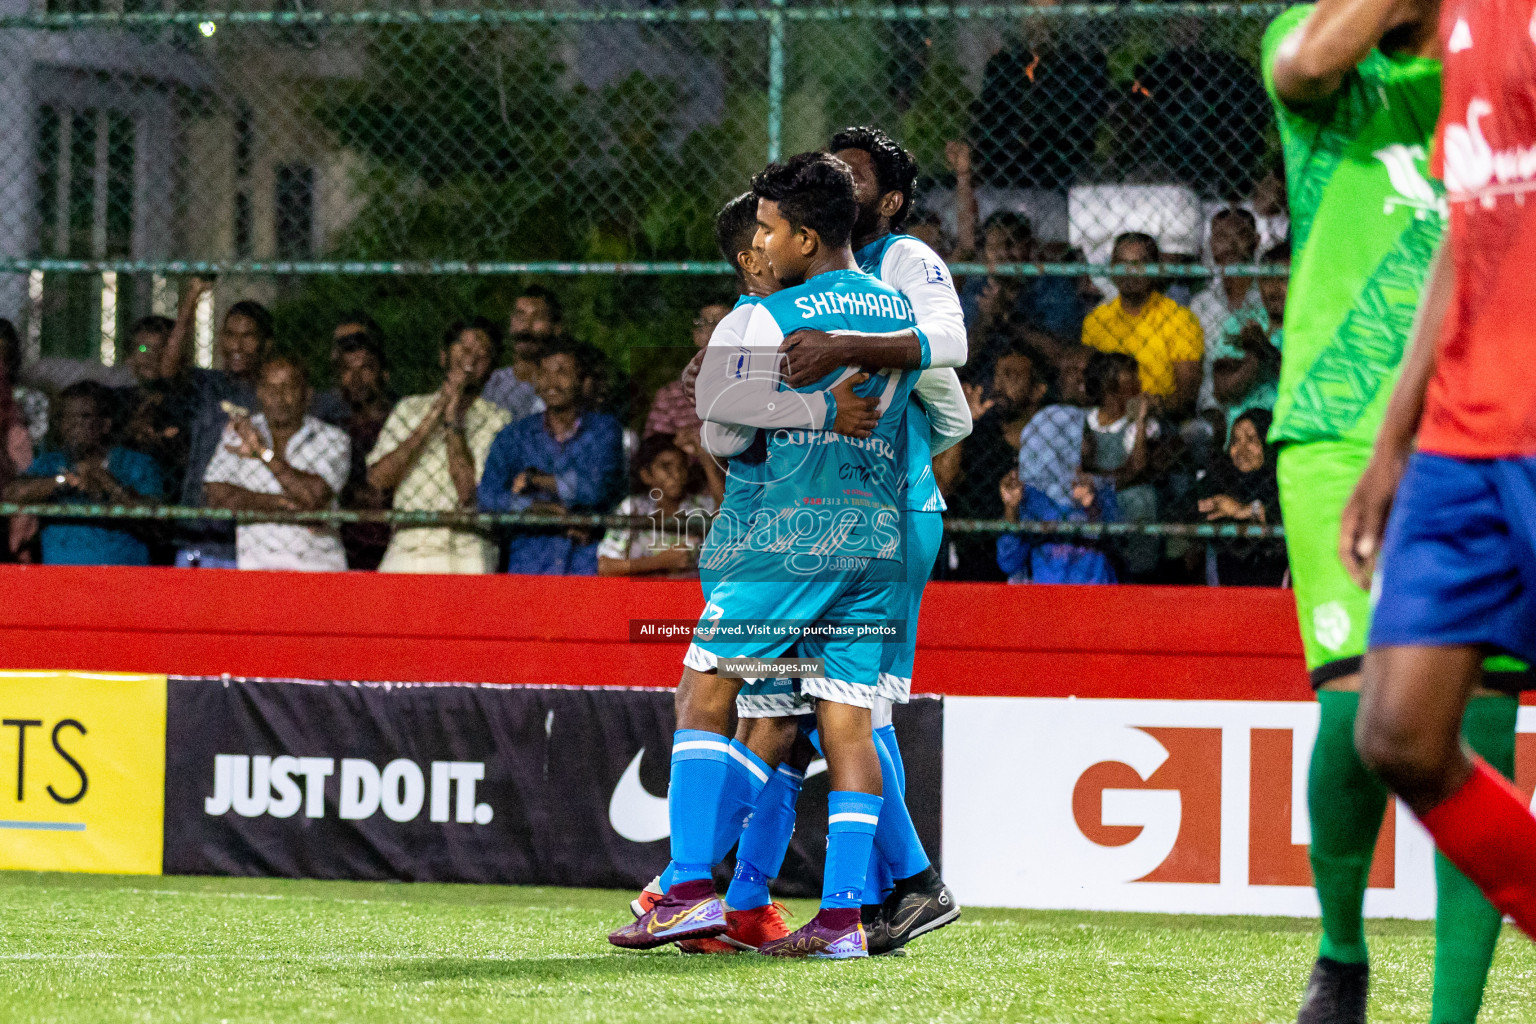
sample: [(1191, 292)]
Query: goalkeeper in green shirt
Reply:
[(1356, 90)]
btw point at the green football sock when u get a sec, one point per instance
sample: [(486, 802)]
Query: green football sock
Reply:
[(1466, 925), (1345, 802)]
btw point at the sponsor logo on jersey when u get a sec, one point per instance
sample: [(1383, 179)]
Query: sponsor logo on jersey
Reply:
[(1412, 187), (1331, 625), (1472, 165), (877, 445)]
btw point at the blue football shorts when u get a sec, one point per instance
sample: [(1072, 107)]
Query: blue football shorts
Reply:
[(1458, 562)]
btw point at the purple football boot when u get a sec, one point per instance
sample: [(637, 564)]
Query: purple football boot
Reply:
[(689, 910), (830, 935)]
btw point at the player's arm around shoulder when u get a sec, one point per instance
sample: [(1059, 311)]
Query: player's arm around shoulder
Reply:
[(912, 267), (1308, 51), (739, 383)]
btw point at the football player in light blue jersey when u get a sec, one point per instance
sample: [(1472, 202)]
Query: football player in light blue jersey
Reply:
[(884, 176), (822, 550), (765, 740), (918, 901)]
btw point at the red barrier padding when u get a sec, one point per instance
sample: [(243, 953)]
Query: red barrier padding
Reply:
[(974, 639)]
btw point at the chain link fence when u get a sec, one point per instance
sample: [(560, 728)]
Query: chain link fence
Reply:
[(426, 165)]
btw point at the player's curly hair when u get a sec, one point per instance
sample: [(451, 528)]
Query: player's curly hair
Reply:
[(813, 190), (895, 168), (735, 226)]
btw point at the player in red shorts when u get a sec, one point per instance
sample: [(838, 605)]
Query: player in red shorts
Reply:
[(1457, 569)]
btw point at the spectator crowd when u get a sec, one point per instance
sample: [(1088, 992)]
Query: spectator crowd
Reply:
[(1135, 399)]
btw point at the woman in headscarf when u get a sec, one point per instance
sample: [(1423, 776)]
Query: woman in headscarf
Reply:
[(1241, 488)]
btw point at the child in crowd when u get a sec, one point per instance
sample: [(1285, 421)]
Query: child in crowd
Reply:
[(660, 489), (1245, 363), (1115, 444)]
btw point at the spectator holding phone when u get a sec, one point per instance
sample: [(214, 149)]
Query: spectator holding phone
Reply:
[(281, 460), (245, 339), (1245, 366)]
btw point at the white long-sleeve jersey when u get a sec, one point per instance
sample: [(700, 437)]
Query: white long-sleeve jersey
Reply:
[(912, 267)]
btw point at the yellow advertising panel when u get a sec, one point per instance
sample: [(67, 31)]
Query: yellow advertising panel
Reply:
[(82, 771)]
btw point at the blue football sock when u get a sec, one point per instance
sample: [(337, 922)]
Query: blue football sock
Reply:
[(877, 879), (896, 839), (760, 856), (742, 784), (699, 774), (880, 881), (888, 734), (851, 821), (746, 775)]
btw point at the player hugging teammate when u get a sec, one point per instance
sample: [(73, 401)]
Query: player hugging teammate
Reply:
[(830, 517), (1357, 90)]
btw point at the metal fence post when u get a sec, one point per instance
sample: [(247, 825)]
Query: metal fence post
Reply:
[(775, 78)]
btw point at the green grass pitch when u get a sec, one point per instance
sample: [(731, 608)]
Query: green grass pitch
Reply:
[(83, 948)]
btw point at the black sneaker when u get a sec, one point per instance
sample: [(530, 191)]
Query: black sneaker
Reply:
[(915, 907), (1335, 993)]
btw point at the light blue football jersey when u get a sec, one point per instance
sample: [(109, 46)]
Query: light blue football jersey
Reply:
[(833, 496)]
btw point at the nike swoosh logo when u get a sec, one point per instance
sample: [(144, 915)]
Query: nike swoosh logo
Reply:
[(633, 812), (901, 926), (657, 924)]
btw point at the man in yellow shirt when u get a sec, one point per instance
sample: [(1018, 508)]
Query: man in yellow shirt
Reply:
[(1163, 337)]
